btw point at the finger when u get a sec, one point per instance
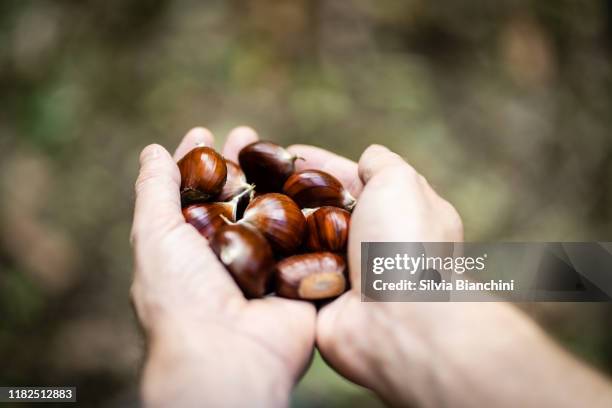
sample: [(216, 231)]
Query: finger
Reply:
[(340, 167), (331, 340), (193, 138), (286, 315), (158, 205), (376, 159), (236, 140)]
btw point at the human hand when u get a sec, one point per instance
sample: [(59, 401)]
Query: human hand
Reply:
[(206, 341), (432, 354)]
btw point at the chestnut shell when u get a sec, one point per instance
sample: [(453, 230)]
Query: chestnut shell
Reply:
[(235, 184), (313, 276), (279, 219), (327, 229), (206, 217), (267, 165), (203, 174), (316, 188), (247, 256)]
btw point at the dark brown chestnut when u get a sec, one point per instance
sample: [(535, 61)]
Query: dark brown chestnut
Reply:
[(235, 184), (267, 165), (207, 218), (318, 275), (203, 174), (279, 219), (247, 256), (315, 188), (327, 229)]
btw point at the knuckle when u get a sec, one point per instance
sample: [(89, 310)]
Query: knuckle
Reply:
[(402, 172), (144, 179), (151, 177)]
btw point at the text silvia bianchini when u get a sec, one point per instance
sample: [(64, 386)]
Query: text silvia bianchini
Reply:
[(433, 286)]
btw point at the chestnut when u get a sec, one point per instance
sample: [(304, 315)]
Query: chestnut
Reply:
[(315, 188), (267, 165), (203, 174), (313, 276), (247, 256), (279, 219), (327, 229), (207, 218), (235, 184)]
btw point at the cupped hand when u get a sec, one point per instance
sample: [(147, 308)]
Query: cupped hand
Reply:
[(434, 354), (394, 203), (206, 341), (391, 348)]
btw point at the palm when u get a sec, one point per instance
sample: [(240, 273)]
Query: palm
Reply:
[(177, 268), (190, 273), (283, 327)]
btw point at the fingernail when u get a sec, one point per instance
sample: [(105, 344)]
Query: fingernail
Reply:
[(199, 135), (376, 148), (151, 152), (244, 131)]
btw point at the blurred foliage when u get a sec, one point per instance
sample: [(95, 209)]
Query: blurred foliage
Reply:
[(504, 106)]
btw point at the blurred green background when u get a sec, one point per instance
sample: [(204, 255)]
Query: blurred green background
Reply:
[(505, 106)]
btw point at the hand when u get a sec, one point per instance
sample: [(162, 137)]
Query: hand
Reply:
[(433, 354), (206, 341)]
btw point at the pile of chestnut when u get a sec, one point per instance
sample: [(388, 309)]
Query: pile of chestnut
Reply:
[(274, 228)]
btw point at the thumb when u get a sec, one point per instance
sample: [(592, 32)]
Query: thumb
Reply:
[(376, 159), (158, 205)]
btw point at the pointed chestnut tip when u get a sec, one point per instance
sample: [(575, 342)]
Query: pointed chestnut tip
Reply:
[(226, 220), (308, 211), (349, 201), (315, 188), (249, 189)]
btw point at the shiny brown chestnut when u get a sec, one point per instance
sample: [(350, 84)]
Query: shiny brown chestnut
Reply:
[(315, 188), (207, 218), (327, 229), (235, 184), (247, 256), (203, 174), (279, 219), (313, 276), (267, 165)]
